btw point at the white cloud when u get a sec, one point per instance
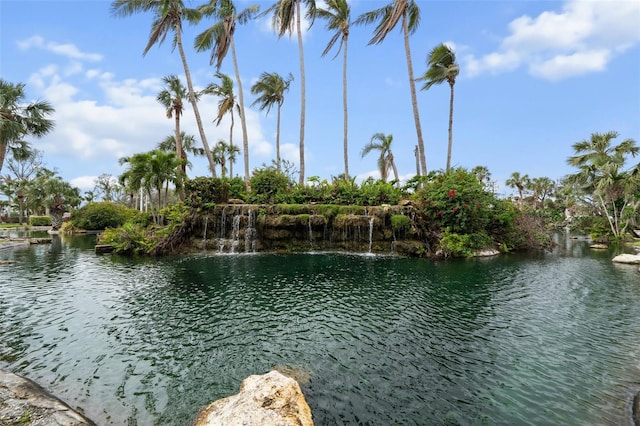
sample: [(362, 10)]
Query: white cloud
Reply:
[(582, 38), (84, 183), (67, 50)]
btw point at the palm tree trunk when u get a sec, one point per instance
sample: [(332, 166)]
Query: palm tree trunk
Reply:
[(243, 121), (450, 128), (278, 138), (344, 107), (231, 144), (194, 103), (302, 94), (414, 98), (3, 152), (182, 167)]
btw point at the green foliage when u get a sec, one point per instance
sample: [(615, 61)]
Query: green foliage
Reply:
[(456, 200), (400, 222), (102, 215), (270, 186), (130, 238), (237, 188), (464, 245), (205, 191), (40, 220)]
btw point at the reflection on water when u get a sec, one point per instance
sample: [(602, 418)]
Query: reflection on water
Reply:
[(544, 339)]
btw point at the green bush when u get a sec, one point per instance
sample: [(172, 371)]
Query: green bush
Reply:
[(102, 215), (270, 186), (463, 245), (40, 220), (205, 191), (400, 222)]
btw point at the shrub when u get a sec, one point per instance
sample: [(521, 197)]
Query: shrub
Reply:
[(400, 222), (40, 220), (270, 186), (102, 215), (205, 191), (463, 245)]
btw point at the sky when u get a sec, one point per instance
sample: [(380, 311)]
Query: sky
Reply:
[(535, 77)]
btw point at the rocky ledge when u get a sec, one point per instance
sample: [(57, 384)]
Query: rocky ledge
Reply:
[(269, 399), (23, 402), (630, 259)]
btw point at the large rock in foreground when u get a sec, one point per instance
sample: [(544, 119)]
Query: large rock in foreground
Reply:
[(631, 259), (271, 399), (23, 402)]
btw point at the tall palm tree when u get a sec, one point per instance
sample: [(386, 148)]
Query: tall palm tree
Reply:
[(389, 16), (188, 143), (226, 104), (18, 120), (601, 173), (442, 67), (168, 16), (286, 15), (219, 38), (338, 17), (171, 99), (381, 142), (518, 182), (271, 88)]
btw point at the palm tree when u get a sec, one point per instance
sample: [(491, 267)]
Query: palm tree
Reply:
[(219, 38), (168, 15), (286, 14), (188, 143), (171, 99), (442, 67), (226, 104), (271, 88), (600, 173), (381, 142), (18, 120), (389, 16), (223, 152), (338, 17), (518, 182)]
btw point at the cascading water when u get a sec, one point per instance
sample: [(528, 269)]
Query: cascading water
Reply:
[(250, 233), (235, 233), (370, 233)]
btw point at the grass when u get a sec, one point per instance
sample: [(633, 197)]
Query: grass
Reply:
[(12, 225)]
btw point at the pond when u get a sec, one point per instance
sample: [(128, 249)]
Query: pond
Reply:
[(519, 339)]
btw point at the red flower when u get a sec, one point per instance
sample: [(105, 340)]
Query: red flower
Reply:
[(451, 193), (455, 209), (464, 206), (439, 213)]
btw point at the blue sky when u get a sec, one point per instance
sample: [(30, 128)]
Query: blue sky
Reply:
[(536, 77)]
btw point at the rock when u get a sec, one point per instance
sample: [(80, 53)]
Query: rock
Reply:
[(24, 402), (104, 248), (598, 246), (630, 259), (235, 201), (269, 399), (636, 409), (486, 253)]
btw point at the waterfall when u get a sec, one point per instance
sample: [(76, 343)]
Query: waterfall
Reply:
[(250, 233), (235, 233), (371, 233), (311, 239), (204, 233)]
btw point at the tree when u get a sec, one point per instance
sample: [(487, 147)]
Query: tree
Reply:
[(601, 173), (219, 38), (338, 17), (542, 188), (224, 152), (442, 67), (271, 88), (188, 143), (388, 17), (381, 142), (49, 192), (226, 103), (168, 15), (152, 171), (107, 187), (286, 15), (520, 183), (18, 120), (23, 166), (171, 99)]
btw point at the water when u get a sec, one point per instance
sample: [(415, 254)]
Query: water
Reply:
[(543, 340)]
